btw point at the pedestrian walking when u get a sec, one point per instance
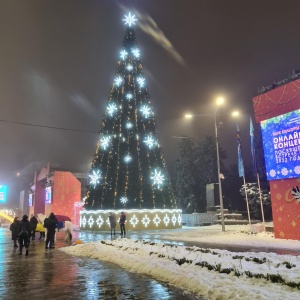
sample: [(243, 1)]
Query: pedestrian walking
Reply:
[(50, 223), (14, 228), (33, 223), (113, 223), (24, 234), (122, 222)]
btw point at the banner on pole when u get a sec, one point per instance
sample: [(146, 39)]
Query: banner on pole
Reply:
[(252, 147), (240, 158)]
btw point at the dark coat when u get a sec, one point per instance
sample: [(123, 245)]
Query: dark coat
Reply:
[(14, 228), (33, 221), (51, 225), (25, 224), (112, 220), (122, 218)]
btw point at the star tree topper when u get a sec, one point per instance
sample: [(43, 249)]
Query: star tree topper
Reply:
[(129, 19)]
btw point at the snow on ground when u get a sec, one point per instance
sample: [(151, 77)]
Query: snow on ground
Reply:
[(200, 271)]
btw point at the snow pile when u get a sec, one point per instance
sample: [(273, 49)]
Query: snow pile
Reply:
[(201, 271)]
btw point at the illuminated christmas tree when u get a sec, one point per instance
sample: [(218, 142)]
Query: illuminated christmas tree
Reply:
[(128, 169)]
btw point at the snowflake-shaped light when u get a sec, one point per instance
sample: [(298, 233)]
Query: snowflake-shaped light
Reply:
[(156, 220), (91, 221), (124, 200), (129, 67), (146, 220), (129, 125), (134, 220), (111, 108), (104, 142), (179, 219), (127, 158), (174, 219), (99, 221), (123, 54), (83, 221), (272, 173), (136, 52), (129, 19), (118, 80), (297, 169), (166, 220), (157, 178), (149, 141), (284, 171), (146, 111), (129, 96), (141, 81), (95, 177)]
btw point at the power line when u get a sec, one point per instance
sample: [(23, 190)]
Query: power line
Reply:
[(49, 127)]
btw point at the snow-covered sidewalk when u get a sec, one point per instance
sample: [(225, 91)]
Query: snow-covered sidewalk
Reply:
[(210, 273)]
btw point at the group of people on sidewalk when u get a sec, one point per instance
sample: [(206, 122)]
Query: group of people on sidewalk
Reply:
[(24, 230), (113, 223)]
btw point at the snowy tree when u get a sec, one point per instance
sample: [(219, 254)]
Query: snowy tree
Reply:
[(254, 200)]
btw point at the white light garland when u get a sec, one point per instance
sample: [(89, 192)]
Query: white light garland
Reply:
[(166, 220), (129, 96), (146, 220), (99, 221), (129, 19), (91, 221), (156, 220)]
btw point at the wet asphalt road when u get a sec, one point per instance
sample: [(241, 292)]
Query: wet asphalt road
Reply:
[(52, 274)]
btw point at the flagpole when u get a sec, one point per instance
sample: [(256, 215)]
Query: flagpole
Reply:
[(249, 219), (261, 203)]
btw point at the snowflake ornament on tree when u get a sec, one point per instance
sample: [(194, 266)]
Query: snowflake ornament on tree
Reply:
[(158, 178), (95, 178), (129, 19)]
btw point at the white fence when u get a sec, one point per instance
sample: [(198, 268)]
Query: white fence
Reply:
[(198, 219)]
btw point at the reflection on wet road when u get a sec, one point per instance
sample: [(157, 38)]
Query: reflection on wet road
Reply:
[(52, 274)]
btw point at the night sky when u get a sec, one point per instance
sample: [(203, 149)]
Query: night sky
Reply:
[(58, 60)]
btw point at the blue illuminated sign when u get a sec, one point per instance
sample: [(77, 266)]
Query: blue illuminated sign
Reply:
[(3, 193), (281, 141), (48, 192)]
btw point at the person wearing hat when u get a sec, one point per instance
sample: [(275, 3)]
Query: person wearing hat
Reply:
[(112, 223), (122, 222), (14, 228)]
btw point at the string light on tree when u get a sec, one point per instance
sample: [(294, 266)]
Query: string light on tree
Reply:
[(111, 109), (146, 111), (129, 19), (157, 178), (118, 80), (95, 178)]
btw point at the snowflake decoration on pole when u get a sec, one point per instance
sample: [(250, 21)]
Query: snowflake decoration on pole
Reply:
[(157, 178), (111, 108), (129, 67), (146, 221), (156, 220), (141, 81), (174, 219), (124, 200), (129, 125), (123, 54), (104, 142), (150, 142), (129, 96), (99, 221), (166, 220), (128, 158), (118, 80), (136, 52), (134, 220), (146, 111), (129, 19), (91, 221), (95, 178)]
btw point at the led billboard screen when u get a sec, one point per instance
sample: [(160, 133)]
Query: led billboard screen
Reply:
[(281, 141), (3, 193), (48, 198)]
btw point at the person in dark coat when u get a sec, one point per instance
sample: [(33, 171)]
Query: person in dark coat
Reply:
[(51, 225), (24, 234), (33, 222), (112, 222), (122, 222), (14, 228)]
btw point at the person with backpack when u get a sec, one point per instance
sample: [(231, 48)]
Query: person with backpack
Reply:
[(14, 228), (33, 222), (50, 223), (24, 234)]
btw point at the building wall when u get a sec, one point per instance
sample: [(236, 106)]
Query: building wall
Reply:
[(66, 191), (39, 198)]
